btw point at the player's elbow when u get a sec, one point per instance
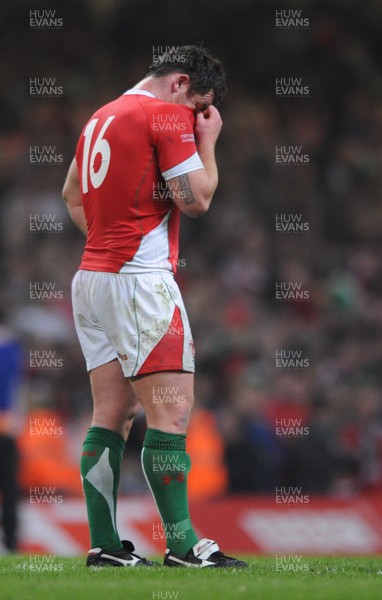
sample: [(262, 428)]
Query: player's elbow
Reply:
[(66, 193), (201, 200), (70, 195), (198, 209), (199, 212), (199, 194)]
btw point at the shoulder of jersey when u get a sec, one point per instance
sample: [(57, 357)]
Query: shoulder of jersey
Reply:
[(169, 107)]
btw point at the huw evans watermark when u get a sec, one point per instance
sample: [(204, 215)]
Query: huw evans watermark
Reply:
[(45, 359), (291, 359), (291, 155), (291, 223), (290, 563), (44, 495), (291, 290), (45, 87), (166, 394), (45, 223), (291, 19), (45, 426), (291, 87), (169, 192), (45, 19), (44, 290), (291, 495), (169, 531), (168, 463), (165, 594), (168, 55), (45, 155), (167, 122), (42, 563), (288, 427)]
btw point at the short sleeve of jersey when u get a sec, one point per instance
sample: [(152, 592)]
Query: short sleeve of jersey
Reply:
[(172, 131)]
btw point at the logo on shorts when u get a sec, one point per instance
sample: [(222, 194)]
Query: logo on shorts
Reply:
[(122, 356)]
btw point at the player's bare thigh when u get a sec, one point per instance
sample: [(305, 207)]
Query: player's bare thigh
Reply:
[(115, 404), (167, 398)]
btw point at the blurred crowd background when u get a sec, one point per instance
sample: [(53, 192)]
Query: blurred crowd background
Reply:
[(231, 259)]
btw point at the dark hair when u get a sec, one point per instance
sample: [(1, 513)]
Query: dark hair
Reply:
[(206, 73)]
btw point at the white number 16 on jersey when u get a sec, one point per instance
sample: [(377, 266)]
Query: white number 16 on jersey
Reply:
[(101, 146)]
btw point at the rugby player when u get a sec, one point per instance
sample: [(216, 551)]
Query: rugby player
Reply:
[(128, 311)]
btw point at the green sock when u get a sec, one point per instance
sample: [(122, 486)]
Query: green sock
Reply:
[(100, 467), (166, 466)]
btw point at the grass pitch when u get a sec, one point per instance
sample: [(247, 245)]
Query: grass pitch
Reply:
[(297, 578)]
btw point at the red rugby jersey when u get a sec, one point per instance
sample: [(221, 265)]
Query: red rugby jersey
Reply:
[(126, 152)]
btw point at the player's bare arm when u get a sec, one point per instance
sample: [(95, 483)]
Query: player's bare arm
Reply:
[(187, 195), (71, 194), (194, 191)]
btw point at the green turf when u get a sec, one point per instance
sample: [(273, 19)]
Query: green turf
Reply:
[(306, 578)]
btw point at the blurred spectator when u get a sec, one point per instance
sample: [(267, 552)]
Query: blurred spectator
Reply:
[(11, 369)]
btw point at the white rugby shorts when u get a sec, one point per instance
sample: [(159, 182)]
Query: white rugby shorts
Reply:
[(139, 319)]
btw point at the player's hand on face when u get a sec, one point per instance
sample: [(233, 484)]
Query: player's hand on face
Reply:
[(208, 125)]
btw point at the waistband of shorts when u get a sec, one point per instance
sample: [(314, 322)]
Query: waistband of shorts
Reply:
[(135, 274)]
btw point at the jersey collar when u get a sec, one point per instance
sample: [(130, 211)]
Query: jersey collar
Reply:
[(139, 92)]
